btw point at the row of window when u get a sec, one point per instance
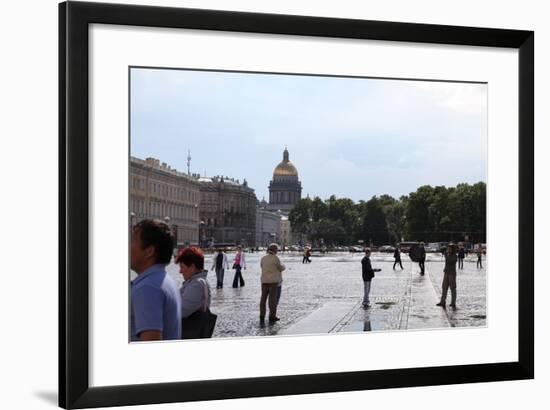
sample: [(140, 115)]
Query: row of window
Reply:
[(228, 204), (170, 191), (187, 235), (162, 209)]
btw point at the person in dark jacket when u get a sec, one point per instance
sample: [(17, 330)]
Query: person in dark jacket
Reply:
[(397, 257), (479, 252), (461, 255), (220, 263), (449, 277), (368, 274), (422, 257)]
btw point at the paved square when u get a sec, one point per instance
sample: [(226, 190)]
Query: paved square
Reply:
[(325, 296)]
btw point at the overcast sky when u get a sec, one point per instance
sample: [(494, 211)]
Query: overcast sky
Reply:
[(352, 137)]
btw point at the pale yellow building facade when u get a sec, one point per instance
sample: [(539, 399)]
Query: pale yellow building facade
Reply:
[(158, 191)]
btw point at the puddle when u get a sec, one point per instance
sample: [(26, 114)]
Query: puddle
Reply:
[(385, 305)]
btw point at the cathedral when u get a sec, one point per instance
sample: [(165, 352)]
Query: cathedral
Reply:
[(285, 190)]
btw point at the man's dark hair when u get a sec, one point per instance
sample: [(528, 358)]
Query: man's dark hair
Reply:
[(190, 256), (154, 232)]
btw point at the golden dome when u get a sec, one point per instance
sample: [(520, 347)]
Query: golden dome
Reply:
[(285, 168)]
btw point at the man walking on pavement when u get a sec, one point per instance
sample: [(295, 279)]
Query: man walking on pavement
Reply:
[(461, 255), (220, 264), (422, 257), (479, 252), (397, 256), (271, 277)]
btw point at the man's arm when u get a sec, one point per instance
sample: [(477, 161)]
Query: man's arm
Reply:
[(148, 303), (281, 266)]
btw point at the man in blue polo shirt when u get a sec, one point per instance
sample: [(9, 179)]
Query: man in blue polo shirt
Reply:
[(155, 299)]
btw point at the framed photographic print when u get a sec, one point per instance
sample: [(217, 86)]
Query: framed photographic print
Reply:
[(259, 204)]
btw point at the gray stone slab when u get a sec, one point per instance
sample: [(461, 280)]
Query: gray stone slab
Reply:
[(323, 320), (423, 312)]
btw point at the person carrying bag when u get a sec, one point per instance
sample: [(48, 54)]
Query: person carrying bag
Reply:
[(201, 323), (197, 320)]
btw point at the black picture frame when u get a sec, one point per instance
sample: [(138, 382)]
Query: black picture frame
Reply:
[(74, 388)]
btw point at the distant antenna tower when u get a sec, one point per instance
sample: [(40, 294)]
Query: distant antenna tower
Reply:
[(189, 162)]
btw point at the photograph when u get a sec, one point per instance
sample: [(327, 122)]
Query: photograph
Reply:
[(350, 192), (281, 204)]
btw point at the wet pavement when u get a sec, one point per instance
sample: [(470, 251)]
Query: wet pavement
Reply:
[(325, 296)]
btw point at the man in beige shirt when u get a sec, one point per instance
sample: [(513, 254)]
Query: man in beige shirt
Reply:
[(272, 269)]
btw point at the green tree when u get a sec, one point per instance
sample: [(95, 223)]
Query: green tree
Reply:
[(417, 214), (319, 209), (299, 216), (375, 228), (428, 214), (329, 231), (395, 220)]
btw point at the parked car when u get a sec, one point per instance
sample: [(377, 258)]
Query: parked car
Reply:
[(386, 248)]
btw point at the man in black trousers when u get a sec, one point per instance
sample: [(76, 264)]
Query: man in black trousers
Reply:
[(461, 255), (397, 257), (368, 274), (449, 277), (422, 257)]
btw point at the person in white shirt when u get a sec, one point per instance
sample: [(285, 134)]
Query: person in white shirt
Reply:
[(219, 263)]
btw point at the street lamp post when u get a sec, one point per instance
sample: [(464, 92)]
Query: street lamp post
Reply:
[(201, 228), (167, 222), (175, 231), (132, 216)]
